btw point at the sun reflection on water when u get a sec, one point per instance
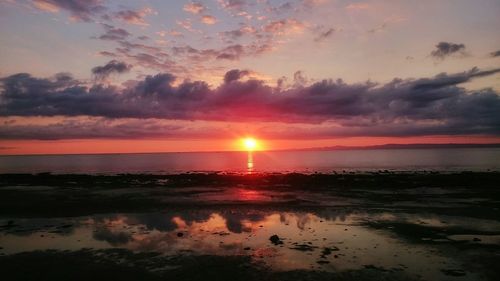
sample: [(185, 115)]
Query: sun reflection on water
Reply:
[(250, 165)]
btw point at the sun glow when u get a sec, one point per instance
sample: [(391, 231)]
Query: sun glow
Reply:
[(250, 144)]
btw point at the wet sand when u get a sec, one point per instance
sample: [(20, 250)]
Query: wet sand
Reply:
[(347, 226)]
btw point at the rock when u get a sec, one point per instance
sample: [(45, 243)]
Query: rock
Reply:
[(9, 224), (275, 239), (327, 251), (304, 248), (65, 226), (373, 267), (453, 272)]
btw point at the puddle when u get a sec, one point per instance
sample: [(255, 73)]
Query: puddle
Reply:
[(326, 242)]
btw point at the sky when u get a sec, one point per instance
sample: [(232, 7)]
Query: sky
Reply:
[(101, 76)]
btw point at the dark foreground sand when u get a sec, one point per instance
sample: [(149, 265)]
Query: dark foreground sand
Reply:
[(354, 226)]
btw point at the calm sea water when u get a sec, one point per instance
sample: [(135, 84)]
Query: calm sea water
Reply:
[(453, 159)]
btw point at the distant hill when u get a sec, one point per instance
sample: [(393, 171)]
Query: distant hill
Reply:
[(404, 146)]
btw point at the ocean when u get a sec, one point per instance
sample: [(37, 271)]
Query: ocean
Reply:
[(435, 159)]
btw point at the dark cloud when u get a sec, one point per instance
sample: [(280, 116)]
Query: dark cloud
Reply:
[(83, 10), (232, 34), (379, 28), (230, 52), (113, 66), (324, 34), (443, 80), (114, 34), (107, 54), (233, 52), (233, 4), (148, 55), (235, 34), (445, 49), (299, 79), (143, 47), (437, 105), (142, 54), (103, 128), (159, 61), (133, 17), (495, 54), (234, 75), (281, 9)]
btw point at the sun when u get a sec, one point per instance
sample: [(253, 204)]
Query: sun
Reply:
[(250, 144)]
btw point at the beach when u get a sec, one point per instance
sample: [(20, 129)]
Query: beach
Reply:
[(238, 140), (264, 226)]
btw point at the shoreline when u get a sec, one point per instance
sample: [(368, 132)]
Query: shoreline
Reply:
[(333, 173), (71, 194)]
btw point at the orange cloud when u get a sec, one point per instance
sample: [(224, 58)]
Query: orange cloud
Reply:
[(286, 26), (46, 6), (208, 20), (194, 8)]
